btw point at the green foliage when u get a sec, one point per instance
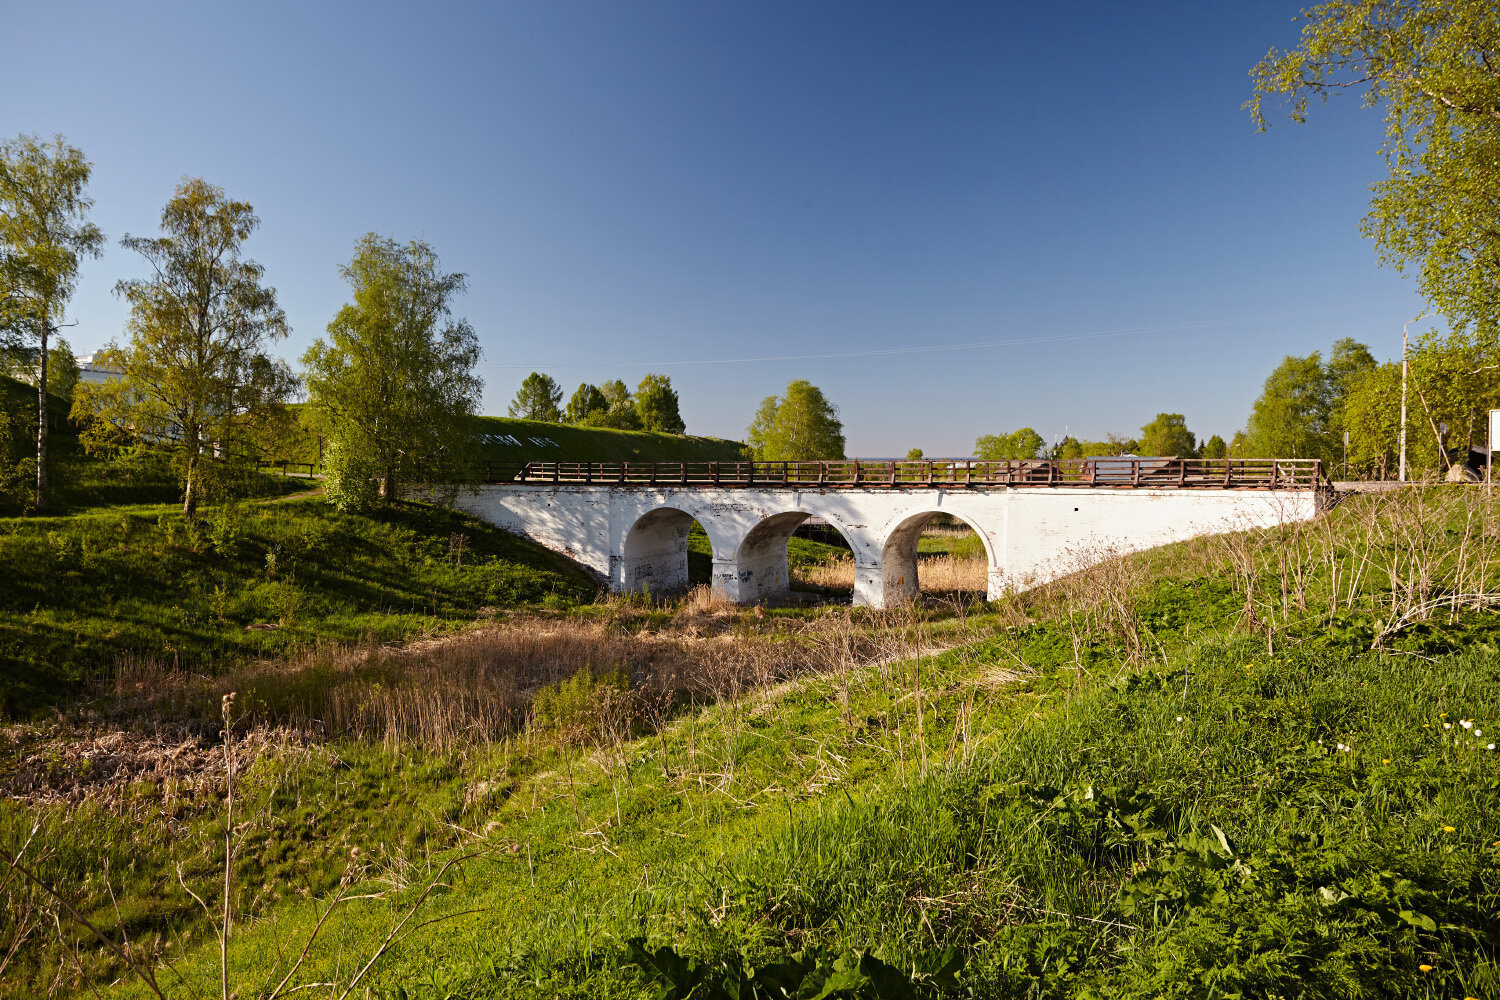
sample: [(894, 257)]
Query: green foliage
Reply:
[(197, 377), (1433, 67), (43, 235), (395, 384), (586, 400), (657, 406), (1168, 435), (537, 399), (1023, 444), (807, 974), (349, 479), (586, 707), (504, 439), (618, 412), (1302, 408), (914, 455), (86, 591), (800, 426), (1018, 811), (1214, 448)]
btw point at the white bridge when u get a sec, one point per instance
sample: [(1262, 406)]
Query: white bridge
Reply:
[(1037, 520)]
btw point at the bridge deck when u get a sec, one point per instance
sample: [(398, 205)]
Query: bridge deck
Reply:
[(1124, 473)]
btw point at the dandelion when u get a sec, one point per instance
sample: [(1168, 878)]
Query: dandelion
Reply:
[(1385, 760), (1490, 747), (1450, 829), (1179, 718), (1447, 725), (1425, 968), (1466, 723), (1426, 725), (1478, 732)]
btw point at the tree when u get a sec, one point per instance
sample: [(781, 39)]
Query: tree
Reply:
[(619, 408), (1453, 381), (537, 399), (1168, 435), (20, 363), (196, 372), (656, 404), (586, 399), (43, 234), (62, 370), (1023, 444), (394, 386), (1068, 447), (1215, 448), (1434, 67), (1301, 409), (914, 455), (800, 426)]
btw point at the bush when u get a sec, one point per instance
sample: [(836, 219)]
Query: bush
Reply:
[(587, 708), (349, 481)]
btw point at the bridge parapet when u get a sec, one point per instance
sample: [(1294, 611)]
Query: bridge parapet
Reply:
[(1115, 473)]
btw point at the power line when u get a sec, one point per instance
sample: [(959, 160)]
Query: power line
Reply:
[(928, 348)]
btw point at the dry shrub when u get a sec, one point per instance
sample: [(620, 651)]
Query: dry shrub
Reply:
[(1096, 597), (938, 574), (476, 687), (1399, 557)]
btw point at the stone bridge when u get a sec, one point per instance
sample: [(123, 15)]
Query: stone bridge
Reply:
[(1037, 520)]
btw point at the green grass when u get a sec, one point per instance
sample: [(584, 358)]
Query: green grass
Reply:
[(1073, 806), (1060, 842), (569, 443), (86, 590), (596, 444)]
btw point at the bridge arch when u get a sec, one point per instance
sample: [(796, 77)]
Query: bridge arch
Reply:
[(898, 555), (654, 550), (759, 566)]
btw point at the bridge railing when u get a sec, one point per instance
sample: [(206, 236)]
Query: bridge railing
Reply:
[(1157, 473)]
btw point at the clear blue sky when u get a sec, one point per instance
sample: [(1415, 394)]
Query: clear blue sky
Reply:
[(635, 185)]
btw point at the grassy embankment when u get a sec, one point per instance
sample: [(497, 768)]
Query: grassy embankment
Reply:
[(1180, 774), (504, 439), (115, 572)]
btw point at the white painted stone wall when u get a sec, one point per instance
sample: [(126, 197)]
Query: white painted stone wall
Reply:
[(636, 537)]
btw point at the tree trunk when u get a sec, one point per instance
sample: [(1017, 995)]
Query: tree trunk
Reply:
[(41, 422), (190, 492), (388, 485)]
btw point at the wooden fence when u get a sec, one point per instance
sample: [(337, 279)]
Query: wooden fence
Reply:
[(1128, 473)]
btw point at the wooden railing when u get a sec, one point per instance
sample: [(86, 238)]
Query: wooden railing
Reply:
[(1130, 473), (287, 468)]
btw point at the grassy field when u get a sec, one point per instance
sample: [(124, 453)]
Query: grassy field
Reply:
[(83, 592), (1186, 773)]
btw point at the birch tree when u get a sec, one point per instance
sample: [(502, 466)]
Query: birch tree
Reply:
[(394, 387), (197, 378), (44, 232)]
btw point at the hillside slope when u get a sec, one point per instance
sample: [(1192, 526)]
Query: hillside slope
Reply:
[(1182, 774), (504, 439), (84, 592), (508, 440)]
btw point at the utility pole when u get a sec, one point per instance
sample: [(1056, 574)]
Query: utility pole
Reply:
[(1401, 474)]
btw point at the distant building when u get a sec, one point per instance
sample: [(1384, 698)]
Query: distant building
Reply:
[(93, 374)]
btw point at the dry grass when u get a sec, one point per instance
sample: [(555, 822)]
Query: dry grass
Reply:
[(480, 686), (938, 574)]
